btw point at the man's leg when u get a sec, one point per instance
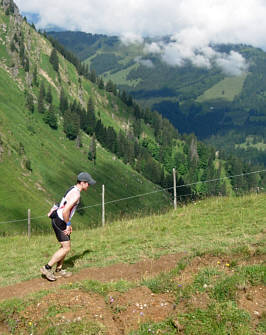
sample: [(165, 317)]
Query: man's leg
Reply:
[(60, 254), (58, 258)]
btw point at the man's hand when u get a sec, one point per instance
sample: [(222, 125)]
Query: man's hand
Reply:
[(68, 230)]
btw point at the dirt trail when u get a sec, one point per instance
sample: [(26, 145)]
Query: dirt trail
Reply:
[(131, 272), (121, 312)]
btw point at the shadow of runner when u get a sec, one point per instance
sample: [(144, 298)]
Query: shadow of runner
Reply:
[(70, 262)]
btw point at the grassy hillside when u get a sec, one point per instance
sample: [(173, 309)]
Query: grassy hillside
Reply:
[(226, 89), (213, 287), (51, 109), (38, 163), (216, 225)]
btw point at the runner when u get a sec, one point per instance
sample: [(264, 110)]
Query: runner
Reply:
[(61, 216)]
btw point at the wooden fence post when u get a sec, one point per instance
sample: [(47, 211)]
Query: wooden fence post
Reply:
[(103, 207), (29, 224), (174, 176)]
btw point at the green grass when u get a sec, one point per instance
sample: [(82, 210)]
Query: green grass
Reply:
[(218, 319), (101, 288), (55, 161), (210, 227), (226, 89), (120, 77), (50, 177), (77, 327), (218, 225)]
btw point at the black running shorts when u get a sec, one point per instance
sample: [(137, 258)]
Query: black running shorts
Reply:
[(59, 226)]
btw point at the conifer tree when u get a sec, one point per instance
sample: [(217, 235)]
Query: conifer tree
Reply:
[(54, 60), (91, 119), (111, 139), (71, 124), (35, 76), (109, 86), (93, 76), (30, 102), (13, 46), (92, 150), (50, 117), (41, 108), (26, 64), (101, 83), (63, 105), (49, 97)]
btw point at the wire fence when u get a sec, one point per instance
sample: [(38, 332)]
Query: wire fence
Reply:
[(146, 194)]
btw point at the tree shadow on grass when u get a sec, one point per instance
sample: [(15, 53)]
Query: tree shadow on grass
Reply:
[(70, 262)]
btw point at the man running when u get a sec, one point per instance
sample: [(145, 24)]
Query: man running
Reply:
[(61, 223)]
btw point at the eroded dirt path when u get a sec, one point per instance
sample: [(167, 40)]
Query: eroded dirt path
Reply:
[(130, 272), (121, 312)]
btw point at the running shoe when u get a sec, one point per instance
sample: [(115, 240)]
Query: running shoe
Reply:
[(62, 273), (48, 274)]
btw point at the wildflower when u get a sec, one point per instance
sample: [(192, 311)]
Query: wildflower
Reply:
[(30, 323), (227, 264), (218, 262)]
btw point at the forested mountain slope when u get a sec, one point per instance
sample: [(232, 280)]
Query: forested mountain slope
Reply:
[(227, 110), (42, 148), (57, 118)]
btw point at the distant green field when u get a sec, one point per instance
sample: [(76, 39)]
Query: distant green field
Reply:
[(120, 77), (250, 143), (226, 89)]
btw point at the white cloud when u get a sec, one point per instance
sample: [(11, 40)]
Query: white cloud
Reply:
[(145, 62), (241, 21), (193, 24), (153, 48), (131, 38), (232, 64)]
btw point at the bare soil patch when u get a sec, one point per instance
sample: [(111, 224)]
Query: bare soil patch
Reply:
[(119, 314), (253, 300), (122, 312), (130, 272), (137, 306)]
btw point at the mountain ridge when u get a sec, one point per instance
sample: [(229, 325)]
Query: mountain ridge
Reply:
[(184, 94), (57, 118)]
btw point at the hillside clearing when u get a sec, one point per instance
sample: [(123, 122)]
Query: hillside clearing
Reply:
[(226, 89)]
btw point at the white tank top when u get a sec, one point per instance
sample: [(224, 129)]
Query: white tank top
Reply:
[(64, 202)]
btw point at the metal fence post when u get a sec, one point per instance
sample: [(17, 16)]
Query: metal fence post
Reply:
[(174, 176), (103, 207), (29, 224)]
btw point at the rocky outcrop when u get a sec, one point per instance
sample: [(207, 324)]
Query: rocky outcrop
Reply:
[(11, 8)]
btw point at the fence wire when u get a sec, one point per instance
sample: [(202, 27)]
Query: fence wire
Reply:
[(146, 194)]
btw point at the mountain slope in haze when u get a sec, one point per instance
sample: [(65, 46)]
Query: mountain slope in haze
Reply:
[(216, 107)]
